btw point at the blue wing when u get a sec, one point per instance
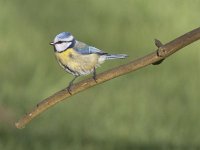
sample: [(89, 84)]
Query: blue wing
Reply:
[(85, 49)]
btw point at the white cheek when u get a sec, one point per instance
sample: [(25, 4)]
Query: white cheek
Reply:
[(63, 46)]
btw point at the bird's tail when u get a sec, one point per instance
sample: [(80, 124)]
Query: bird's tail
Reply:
[(116, 56)]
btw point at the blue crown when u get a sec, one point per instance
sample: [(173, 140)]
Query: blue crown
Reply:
[(63, 35)]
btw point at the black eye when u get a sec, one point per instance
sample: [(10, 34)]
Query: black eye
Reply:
[(60, 42)]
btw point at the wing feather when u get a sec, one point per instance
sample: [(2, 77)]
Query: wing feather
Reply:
[(85, 49)]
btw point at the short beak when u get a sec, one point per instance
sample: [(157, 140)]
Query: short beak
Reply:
[(52, 43)]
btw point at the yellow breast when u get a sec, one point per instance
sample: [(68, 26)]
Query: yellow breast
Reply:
[(78, 62), (65, 56)]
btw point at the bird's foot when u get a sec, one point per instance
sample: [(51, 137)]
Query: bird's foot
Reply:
[(95, 78), (70, 85), (69, 90)]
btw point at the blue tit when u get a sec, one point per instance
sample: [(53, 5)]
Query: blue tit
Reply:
[(78, 58)]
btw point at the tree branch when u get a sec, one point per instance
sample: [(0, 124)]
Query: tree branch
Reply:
[(156, 57)]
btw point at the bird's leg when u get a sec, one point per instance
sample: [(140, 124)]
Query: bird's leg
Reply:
[(94, 75), (70, 84)]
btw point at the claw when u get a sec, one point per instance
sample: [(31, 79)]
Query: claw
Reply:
[(69, 90), (70, 84)]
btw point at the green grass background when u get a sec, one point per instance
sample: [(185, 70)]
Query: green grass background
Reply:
[(154, 108)]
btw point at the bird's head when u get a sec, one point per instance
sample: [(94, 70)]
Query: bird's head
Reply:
[(63, 41)]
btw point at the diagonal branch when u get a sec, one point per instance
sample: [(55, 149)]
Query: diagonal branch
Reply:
[(156, 57)]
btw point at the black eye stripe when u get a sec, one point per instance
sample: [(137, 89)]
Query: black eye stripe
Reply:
[(60, 42)]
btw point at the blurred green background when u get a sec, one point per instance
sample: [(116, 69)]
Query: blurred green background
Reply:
[(154, 108)]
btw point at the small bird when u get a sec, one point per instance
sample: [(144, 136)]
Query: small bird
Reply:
[(78, 58)]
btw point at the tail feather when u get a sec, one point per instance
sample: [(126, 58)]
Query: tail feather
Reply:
[(116, 56)]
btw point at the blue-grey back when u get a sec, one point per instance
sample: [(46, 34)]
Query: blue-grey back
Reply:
[(85, 49)]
